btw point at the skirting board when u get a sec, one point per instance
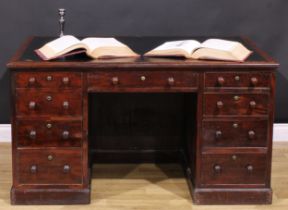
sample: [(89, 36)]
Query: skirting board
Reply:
[(5, 132), (280, 132)]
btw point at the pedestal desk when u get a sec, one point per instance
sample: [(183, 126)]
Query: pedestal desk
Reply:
[(215, 118)]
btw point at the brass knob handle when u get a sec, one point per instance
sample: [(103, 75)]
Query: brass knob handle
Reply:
[(171, 81), (234, 157), (49, 78), (249, 168), (32, 80), (218, 134), (254, 81), (65, 104), (220, 104), (50, 157), (48, 125), (32, 105), (32, 134), (66, 168), (251, 134), (143, 78), (65, 80), (220, 81), (49, 98), (33, 169), (65, 134), (217, 168), (252, 104), (115, 80), (237, 78), (236, 98), (235, 125)]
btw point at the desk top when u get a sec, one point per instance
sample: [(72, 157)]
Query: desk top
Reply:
[(25, 57)]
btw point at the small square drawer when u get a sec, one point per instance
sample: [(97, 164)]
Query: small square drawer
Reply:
[(48, 80), (48, 133), (234, 169), (236, 104), (235, 133), (49, 166), (168, 80), (237, 80), (37, 103)]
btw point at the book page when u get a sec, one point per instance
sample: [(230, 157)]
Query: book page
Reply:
[(63, 43), (188, 45), (219, 44), (94, 43)]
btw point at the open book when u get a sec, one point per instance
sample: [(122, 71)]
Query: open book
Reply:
[(94, 47), (211, 49)]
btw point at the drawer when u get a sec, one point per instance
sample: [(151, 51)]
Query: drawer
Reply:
[(53, 103), (237, 80), (225, 169), (49, 166), (48, 80), (236, 104), (236, 133), (166, 80), (34, 133)]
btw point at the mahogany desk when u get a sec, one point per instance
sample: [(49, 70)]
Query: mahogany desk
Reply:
[(215, 118)]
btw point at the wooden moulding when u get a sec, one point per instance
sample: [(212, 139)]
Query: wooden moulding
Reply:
[(54, 196), (232, 196)]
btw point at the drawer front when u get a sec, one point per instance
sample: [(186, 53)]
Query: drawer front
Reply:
[(37, 103), (47, 166), (235, 133), (236, 104), (142, 79), (49, 133), (48, 80), (223, 169), (238, 79)]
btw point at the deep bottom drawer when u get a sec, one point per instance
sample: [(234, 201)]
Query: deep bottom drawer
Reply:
[(49, 166), (225, 169)]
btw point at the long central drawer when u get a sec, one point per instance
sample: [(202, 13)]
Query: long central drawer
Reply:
[(159, 80)]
